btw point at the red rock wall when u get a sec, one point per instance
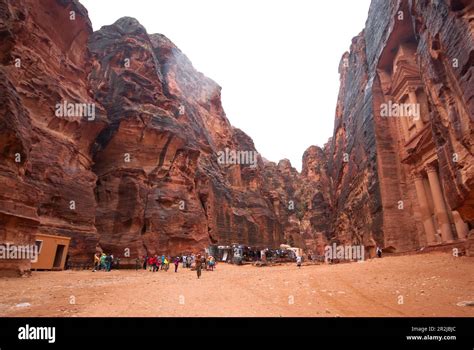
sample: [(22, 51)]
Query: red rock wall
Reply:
[(172, 196), (144, 174), (446, 53), (352, 155), (55, 165), (374, 197)]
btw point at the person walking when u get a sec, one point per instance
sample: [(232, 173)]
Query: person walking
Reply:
[(163, 264), (137, 264), (198, 266), (96, 262), (150, 263), (145, 261), (103, 265), (212, 262), (379, 252), (158, 263), (176, 264), (184, 261), (188, 261), (108, 262)]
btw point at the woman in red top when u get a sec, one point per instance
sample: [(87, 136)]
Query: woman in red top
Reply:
[(155, 263), (151, 262)]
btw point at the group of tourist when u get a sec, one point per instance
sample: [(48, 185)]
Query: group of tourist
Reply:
[(155, 263), (193, 261), (197, 262), (104, 262)]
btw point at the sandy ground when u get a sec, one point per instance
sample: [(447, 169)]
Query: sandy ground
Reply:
[(417, 285)]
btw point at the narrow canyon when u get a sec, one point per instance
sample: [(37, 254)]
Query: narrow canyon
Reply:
[(140, 171)]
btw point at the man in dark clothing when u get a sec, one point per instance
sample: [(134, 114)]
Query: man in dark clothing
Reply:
[(379, 252), (198, 266), (108, 262)]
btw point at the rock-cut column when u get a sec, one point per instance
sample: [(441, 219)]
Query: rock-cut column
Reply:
[(426, 218), (440, 206), (461, 227)]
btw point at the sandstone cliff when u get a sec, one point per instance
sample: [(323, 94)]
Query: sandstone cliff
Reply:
[(47, 184), (140, 176), (160, 185), (403, 182)]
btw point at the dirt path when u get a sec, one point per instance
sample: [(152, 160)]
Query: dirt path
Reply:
[(430, 285)]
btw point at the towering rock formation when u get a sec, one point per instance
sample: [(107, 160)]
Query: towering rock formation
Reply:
[(315, 192), (161, 186), (302, 201), (406, 180), (152, 165), (47, 184)]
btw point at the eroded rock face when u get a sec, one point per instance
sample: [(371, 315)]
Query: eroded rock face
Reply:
[(402, 182), (315, 191), (143, 161), (141, 175), (45, 160), (302, 201), (161, 188)]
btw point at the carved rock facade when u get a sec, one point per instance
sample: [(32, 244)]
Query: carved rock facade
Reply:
[(404, 123)]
